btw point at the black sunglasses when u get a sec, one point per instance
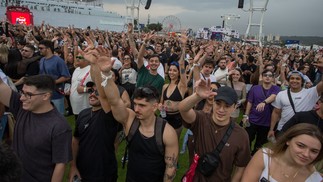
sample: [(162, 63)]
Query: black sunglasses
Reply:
[(91, 91)]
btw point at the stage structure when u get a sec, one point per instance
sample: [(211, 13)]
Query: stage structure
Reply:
[(251, 24), (132, 7)]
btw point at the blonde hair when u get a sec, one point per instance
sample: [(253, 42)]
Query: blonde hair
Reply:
[(4, 51)]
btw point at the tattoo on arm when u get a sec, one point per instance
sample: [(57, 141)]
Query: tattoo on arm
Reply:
[(182, 71), (171, 162)]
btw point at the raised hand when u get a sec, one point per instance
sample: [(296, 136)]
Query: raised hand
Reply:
[(89, 43), (183, 38), (130, 28), (105, 64), (319, 63), (149, 36), (203, 88)]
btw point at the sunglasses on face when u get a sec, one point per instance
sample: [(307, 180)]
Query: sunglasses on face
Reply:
[(91, 91), (267, 75), (214, 89)]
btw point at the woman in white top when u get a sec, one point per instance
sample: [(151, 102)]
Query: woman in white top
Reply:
[(128, 74), (290, 159)]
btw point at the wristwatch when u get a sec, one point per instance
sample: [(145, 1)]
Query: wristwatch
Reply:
[(264, 102)]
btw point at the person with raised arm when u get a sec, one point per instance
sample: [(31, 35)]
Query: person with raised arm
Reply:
[(174, 91), (146, 162), (42, 136), (209, 129)]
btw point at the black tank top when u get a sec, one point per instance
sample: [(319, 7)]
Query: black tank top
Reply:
[(175, 96), (146, 163)]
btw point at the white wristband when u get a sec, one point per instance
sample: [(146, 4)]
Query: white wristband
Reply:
[(84, 89), (196, 64), (105, 78)]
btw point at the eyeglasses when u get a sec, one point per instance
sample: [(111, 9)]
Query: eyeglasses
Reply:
[(267, 75), (214, 89), (28, 95)]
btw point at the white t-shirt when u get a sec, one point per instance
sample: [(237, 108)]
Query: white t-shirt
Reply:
[(129, 75), (315, 176), (211, 77), (304, 100), (79, 101), (218, 73)]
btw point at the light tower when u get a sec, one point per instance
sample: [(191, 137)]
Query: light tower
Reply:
[(262, 9)]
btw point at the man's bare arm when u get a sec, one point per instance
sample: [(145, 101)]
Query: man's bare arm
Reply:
[(171, 153)]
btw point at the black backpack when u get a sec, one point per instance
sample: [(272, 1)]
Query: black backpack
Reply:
[(159, 130)]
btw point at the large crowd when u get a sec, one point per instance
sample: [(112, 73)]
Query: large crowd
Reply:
[(252, 113)]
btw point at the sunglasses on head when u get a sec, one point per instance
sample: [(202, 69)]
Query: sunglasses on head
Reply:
[(146, 91)]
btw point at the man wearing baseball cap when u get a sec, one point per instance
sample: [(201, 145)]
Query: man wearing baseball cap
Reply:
[(209, 129), (294, 99)]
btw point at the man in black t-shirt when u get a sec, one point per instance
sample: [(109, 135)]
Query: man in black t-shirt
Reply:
[(94, 157), (42, 137), (247, 69), (29, 65)]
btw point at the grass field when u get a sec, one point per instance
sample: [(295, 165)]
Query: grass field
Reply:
[(183, 158)]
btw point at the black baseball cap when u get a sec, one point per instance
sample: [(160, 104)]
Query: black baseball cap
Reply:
[(227, 94)]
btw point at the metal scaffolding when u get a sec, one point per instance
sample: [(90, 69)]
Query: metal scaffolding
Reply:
[(262, 9)]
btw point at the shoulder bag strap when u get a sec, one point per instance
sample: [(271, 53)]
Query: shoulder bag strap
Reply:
[(224, 138), (291, 100)]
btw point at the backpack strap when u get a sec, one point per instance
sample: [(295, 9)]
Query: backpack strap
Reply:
[(133, 128), (159, 133)]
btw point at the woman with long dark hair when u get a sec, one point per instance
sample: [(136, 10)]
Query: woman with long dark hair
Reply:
[(173, 92)]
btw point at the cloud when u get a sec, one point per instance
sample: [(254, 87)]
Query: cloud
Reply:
[(283, 17)]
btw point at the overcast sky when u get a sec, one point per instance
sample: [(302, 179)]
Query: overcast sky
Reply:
[(283, 17)]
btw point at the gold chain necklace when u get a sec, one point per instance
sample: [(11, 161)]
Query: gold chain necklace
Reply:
[(288, 175)]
